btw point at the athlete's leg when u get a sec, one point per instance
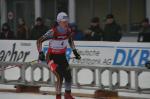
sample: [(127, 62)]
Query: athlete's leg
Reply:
[(59, 81), (68, 81), (57, 72), (65, 71)]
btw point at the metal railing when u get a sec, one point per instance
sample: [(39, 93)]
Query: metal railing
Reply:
[(132, 75)]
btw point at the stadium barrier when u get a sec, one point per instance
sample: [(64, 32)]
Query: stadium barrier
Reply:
[(114, 77)]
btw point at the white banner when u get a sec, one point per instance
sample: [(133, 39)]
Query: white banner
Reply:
[(110, 53), (18, 50), (92, 53)]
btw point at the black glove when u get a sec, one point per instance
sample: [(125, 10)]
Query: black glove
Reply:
[(77, 56), (41, 56), (147, 64)]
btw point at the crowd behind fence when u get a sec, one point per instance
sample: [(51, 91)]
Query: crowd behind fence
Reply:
[(111, 31)]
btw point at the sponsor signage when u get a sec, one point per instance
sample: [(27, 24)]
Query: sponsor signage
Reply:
[(92, 53)]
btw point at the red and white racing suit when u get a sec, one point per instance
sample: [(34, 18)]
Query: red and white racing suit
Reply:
[(56, 57)]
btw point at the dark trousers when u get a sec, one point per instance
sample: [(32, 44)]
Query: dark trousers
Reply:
[(62, 71)]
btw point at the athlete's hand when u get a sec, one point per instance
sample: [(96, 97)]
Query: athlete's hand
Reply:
[(147, 64), (77, 55), (41, 56)]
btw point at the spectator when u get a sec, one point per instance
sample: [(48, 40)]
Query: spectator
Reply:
[(144, 35), (112, 30), (6, 33), (94, 32), (39, 29), (22, 30), (78, 35)]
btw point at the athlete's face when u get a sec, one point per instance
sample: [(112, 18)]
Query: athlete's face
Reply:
[(109, 20), (63, 24)]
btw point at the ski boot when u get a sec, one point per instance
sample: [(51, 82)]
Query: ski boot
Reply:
[(68, 96), (58, 96)]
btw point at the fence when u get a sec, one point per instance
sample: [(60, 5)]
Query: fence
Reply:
[(114, 75)]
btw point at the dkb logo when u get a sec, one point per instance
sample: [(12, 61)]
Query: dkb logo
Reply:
[(131, 57)]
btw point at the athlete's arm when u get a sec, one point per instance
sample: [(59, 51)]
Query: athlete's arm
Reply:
[(72, 45), (48, 35)]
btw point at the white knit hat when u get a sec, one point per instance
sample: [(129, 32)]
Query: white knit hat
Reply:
[(62, 16)]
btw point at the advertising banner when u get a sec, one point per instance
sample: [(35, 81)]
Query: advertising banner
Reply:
[(92, 53), (110, 53), (18, 50)]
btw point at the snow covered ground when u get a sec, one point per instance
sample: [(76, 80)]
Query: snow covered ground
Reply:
[(7, 95)]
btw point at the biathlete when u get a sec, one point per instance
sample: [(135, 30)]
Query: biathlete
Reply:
[(59, 36)]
